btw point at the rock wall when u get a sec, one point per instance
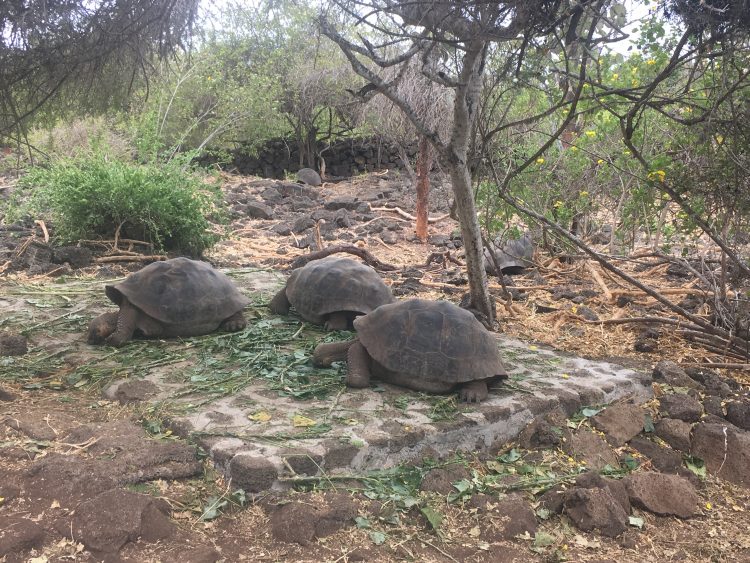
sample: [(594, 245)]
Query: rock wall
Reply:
[(344, 158)]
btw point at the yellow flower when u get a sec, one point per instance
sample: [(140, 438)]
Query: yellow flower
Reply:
[(209, 78), (583, 193), (708, 506), (658, 175), (615, 76), (540, 160), (600, 161), (574, 148), (634, 83), (591, 134), (651, 62), (557, 204), (719, 139), (626, 153), (565, 376), (687, 110)]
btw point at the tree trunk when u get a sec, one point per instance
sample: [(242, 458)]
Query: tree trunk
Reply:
[(464, 111), (424, 161)]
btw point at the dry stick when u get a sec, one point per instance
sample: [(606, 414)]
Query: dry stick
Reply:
[(409, 216), (44, 229), (598, 279), (722, 365), (361, 252), (667, 291)]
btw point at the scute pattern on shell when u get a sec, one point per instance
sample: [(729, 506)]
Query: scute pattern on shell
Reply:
[(180, 291), (329, 285), (433, 340)]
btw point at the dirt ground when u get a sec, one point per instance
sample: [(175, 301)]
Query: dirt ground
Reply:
[(86, 478)]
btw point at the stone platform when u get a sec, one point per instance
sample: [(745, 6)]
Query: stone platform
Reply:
[(263, 441)]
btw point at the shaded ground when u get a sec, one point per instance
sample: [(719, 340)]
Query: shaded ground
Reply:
[(83, 476)]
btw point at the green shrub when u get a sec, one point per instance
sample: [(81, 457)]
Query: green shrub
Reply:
[(90, 196)]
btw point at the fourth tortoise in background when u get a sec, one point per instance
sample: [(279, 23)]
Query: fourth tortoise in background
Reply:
[(332, 292), (431, 346)]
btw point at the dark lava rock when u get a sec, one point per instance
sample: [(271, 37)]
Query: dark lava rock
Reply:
[(713, 382), (303, 522), (663, 459), (342, 202), (271, 195), (258, 210), (592, 449), (586, 312), (543, 432), (725, 449), (252, 473), (302, 203), (19, 534), (507, 518), (596, 509), (672, 374), (309, 177), (304, 462), (302, 224), (738, 413), (108, 521), (13, 344), (76, 256), (666, 495), (6, 396), (194, 554), (619, 422), (282, 228), (646, 345), (136, 390), (713, 405), (592, 480), (441, 479), (296, 190), (438, 240), (553, 499), (682, 407), (674, 432)]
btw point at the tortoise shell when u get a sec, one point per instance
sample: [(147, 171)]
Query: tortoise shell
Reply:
[(180, 291), (332, 285), (431, 340)]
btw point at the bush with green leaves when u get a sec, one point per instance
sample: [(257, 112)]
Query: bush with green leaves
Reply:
[(91, 196)]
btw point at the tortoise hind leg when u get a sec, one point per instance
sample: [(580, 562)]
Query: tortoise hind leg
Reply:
[(358, 361), (474, 391), (329, 352), (280, 303), (234, 323), (126, 323)]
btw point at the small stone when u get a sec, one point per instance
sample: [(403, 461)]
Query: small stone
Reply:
[(258, 210), (674, 432), (587, 313), (662, 494), (76, 256), (303, 522), (304, 463), (6, 395), (507, 518), (682, 407), (132, 391), (271, 195), (646, 345), (252, 473), (596, 509), (113, 518), (440, 480), (438, 240), (592, 449), (543, 432), (671, 373), (282, 229), (663, 459), (389, 237), (619, 422), (302, 224), (553, 499), (738, 413), (592, 480), (712, 405), (725, 449), (13, 344), (342, 202)]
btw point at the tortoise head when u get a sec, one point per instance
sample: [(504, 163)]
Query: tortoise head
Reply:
[(101, 327)]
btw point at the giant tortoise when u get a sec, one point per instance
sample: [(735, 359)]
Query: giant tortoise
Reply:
[(332, 292), (431, 346), (178, 297)]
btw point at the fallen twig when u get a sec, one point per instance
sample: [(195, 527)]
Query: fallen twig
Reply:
[(409, 216), (129, 258), (366, 255)]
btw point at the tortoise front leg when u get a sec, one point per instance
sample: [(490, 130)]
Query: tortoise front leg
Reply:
[(280, 303), (358, 361), (234, 323), (474, 391), (101, 327), (126, 322)]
